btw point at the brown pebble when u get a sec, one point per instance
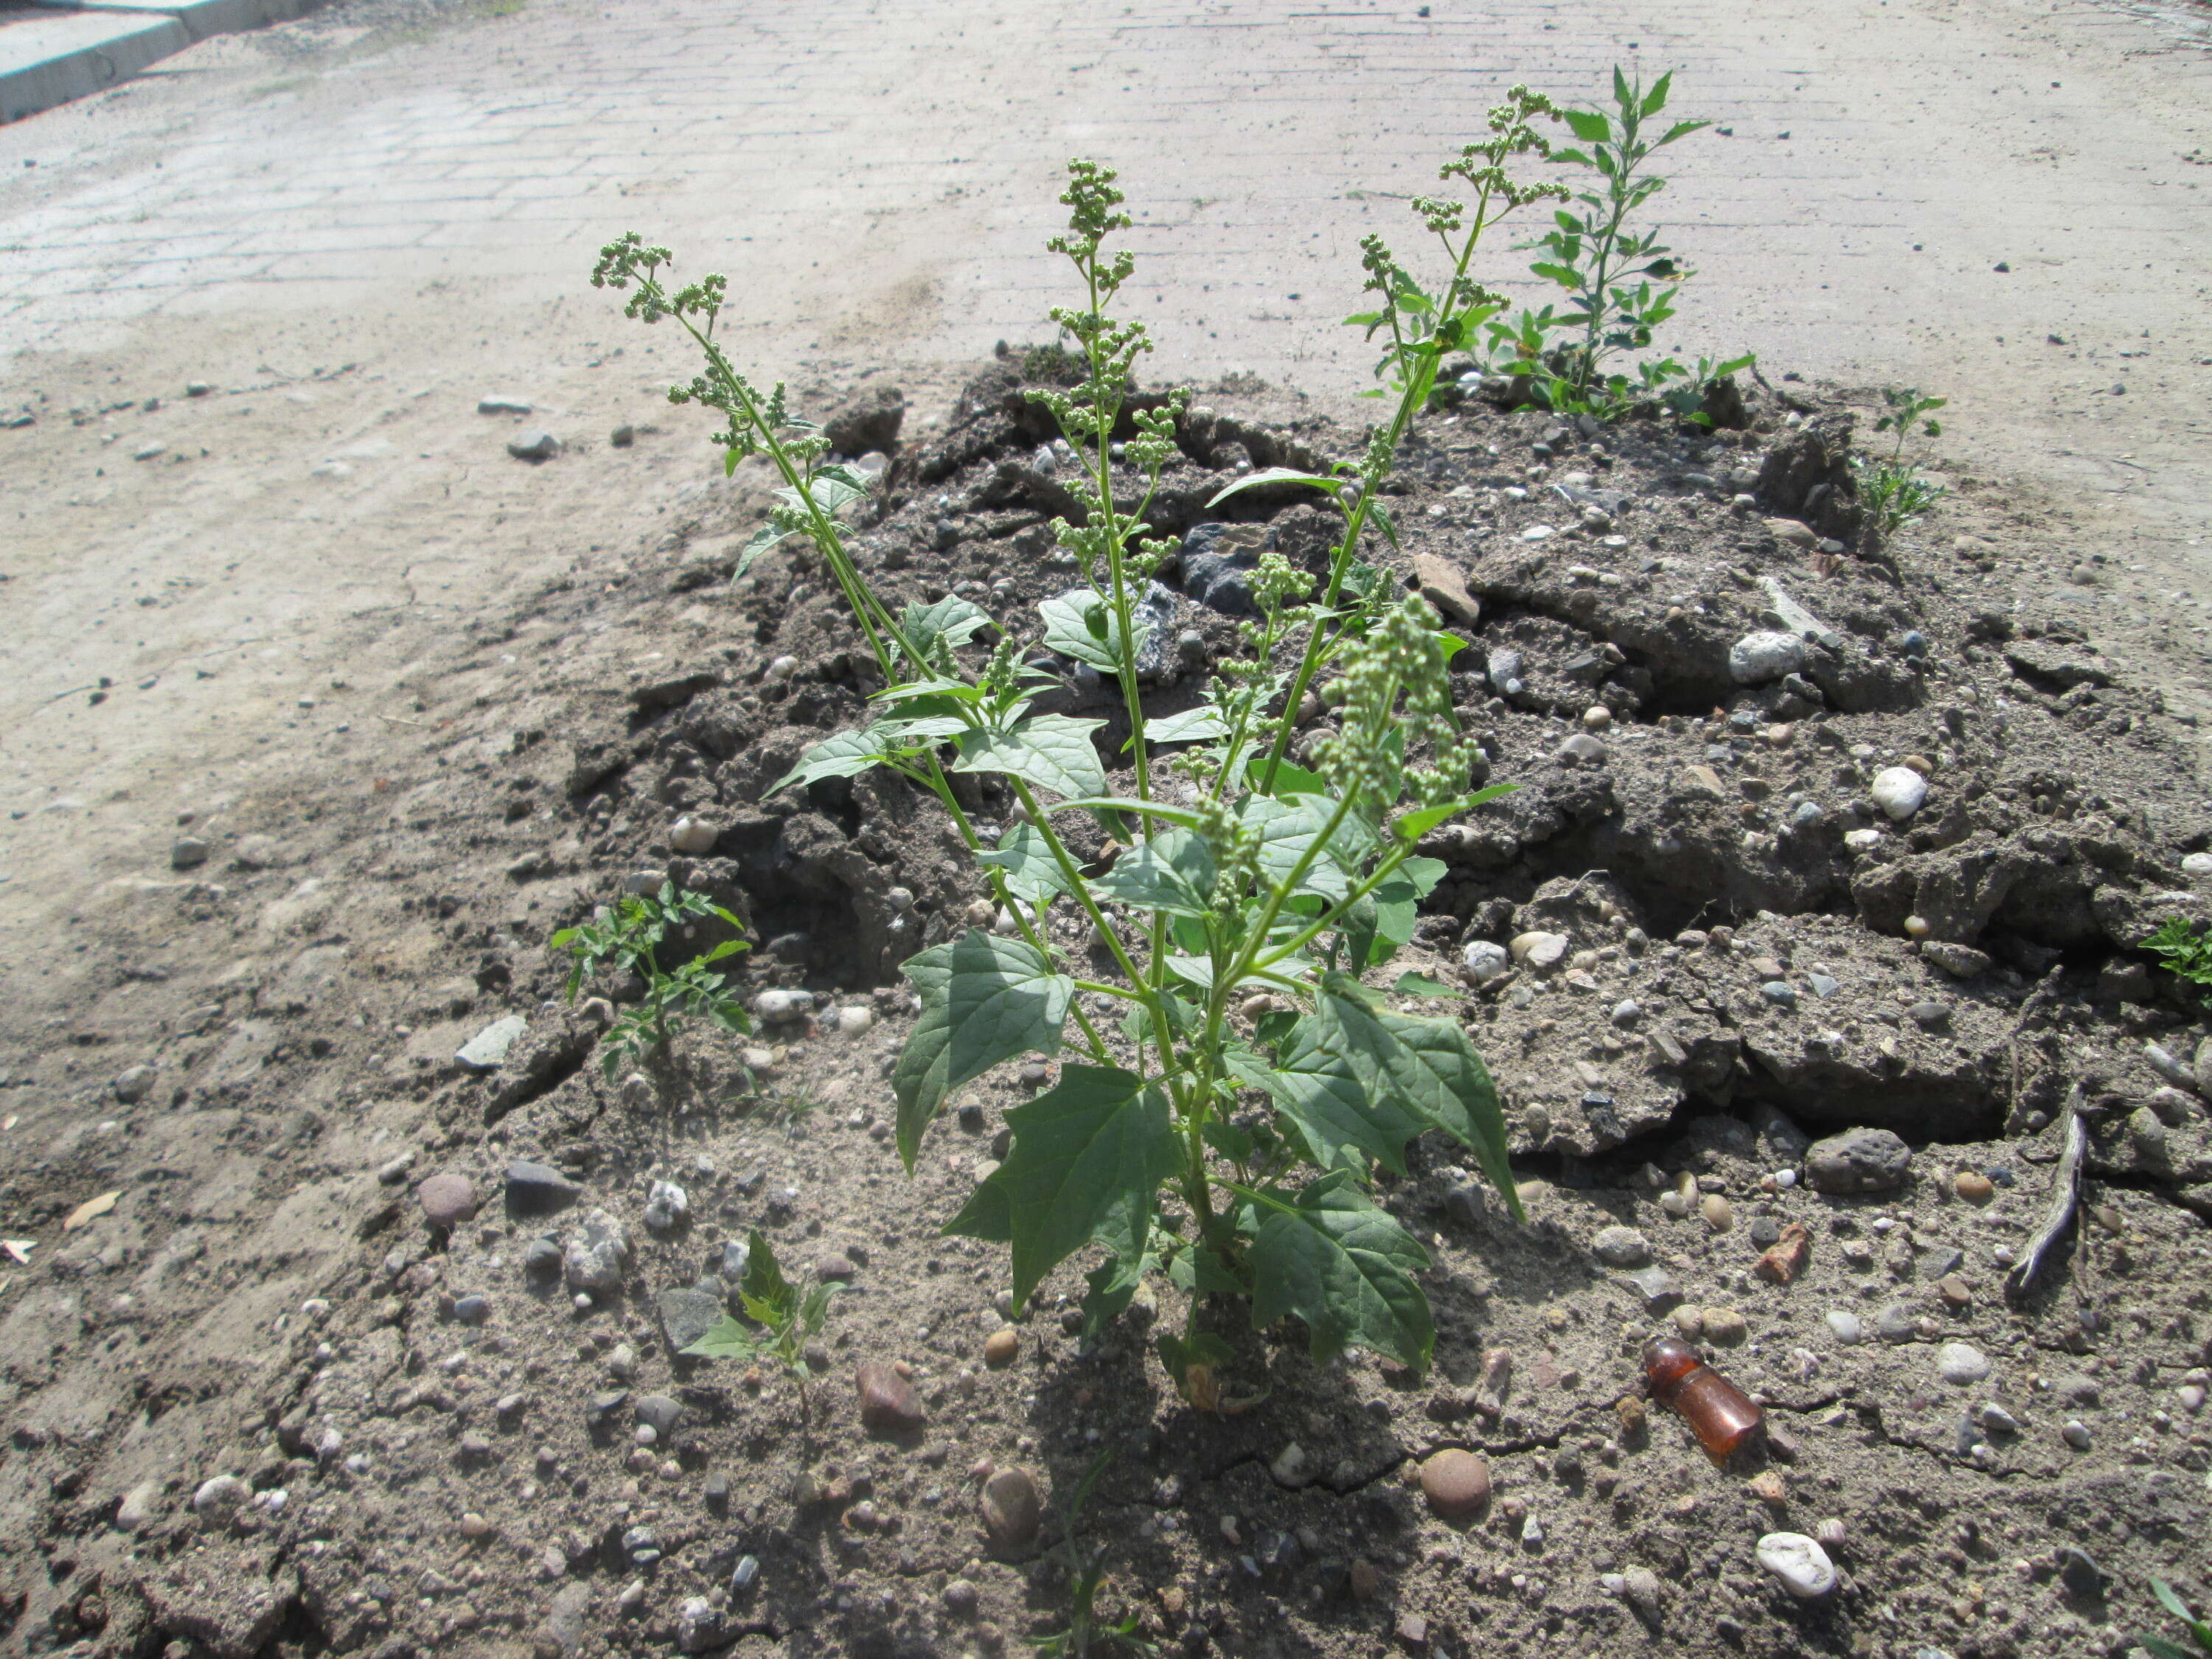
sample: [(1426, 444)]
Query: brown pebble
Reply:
[(1013, 1511), (1919, 763), (1955, 1291), (1769, 1488), (1782, 1261), (448, 1198), (2107, 1217), (1366, 1580), (1973, 1186), (1724, 1325), (836, 1269), (1635, 1421), (1413, 1631), (1173, 1600), (1456, 1484), (1718, 1216), (888, 1404), (1001, 1347)]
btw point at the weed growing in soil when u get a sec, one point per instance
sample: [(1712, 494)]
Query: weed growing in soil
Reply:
[(2183, 950), (1251, 895), (1606, 270), (1894, 492), (788, 1321), (1086, 1572), (629, 937), (2200, 1633)]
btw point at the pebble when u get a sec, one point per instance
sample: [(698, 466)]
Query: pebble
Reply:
[(487, 1050), (1896, 1323), (537, 1188), (141, 1507), (1973, 1186), (1844, 1326), (961, 1597), (1960, 961), (1291, 1467), (1961, 1363), (1780, 993), (888, 1404), (1626, 1012), (133, 1085), (497, 403), (537, 445), (836, 1267), (472, 1309), (1540, 951), (1863, 841), (1830, 1534), (782, 1007), (1756, 658), (853, 1020), (1001, 1347), (1860, 1160), (1621, 1247), (595, 1257), (218, 1496), (667, 1207), (1717, 1214), (2197, 867), (694, 835), (187, 853), (1996, 1419), (1724, 1326), (659, 1411), (1485, 962), (1640, 1586), (1013, 1511), (448, 1198), (1898, 791), (1456, 1483), (2075, 1434), (1799, 1562)]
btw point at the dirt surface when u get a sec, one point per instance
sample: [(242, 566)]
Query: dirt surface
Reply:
[(419, 703)]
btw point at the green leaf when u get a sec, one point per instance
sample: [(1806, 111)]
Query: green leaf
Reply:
[(1087, 1156), (1050, 752), (767, 536), (1187, 817), (1589, 126), (1427, 1067), (2159, 1648), (950, 620), (1288, 828), (983, 999), (1203, 1348), (1081, 625), (988, 1214), (847, 754), (1197, 725), (1656, 99), (1024, 858), (1336, 1260), (1275, 475), (1113, 1284), (1680, 130), (725, 1340), (1411, 984), (1172, 872), (1316, 1086), (767, 1295), (2174, 1605)]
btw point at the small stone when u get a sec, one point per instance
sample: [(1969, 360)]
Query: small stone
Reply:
[(1896, 1323), (488, 1050), (1291, 1467), (1860, 1160), (1843, 1325), (1961, 1363), (1365, 1579), (1582, 746), (1640, 1589), (218, 1498), (1485, 962), (1757, 659), (1929, 1015), (1540, 951), (853, 1020), (888, 1404), (1783, 1259), (780, 1007), (1996, 1419), (2075, 1433), (960, 1598), (1898, 791), (1443, 585), (1770, 1488), (1001, 1347), (141, 1507), (1655, 1288), (687, 1313), (694, 835), (1973, 1186), (448, 1198), (187, 853), (623, 436), (1719, 1215), (1013, 1511), (597, 1255), (1626, 1012), (1621, 1247), (472, 1309), (537, 445), (537, 1188), (1960, 961), (1780, 993), (1456, 1483), (1957, 1294), (667, 1207), (659, 1411), (497, 403), (1724, 1326), (1799, 1562), (133, 1085)]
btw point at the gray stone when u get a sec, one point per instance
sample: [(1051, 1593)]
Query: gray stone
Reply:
[(667, 1207), (1621, 1247), (565, 1621), (141, 1507), (538, 1189), (133, 1085), (687, 1313), (187, 853), (447, 1198), (1757, 659), (1844, 1326), (699, 1626), (1961, 1363), (1861, 1160), (1895, 1323), (537, 445), (1218, 563), (659, 1412), (597, 1255), (1780, 993), (1960, 961), (498, 403), (488, 1050), (1656, 1289), (1013, 1511), (1485, 962)]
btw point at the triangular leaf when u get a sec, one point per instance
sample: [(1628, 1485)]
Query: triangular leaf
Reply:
[(1050, 752), (983, 999), (1173, 872), (847, 754), (1343, 1123), (1024, 859), (1080, 625), (1334, 1258), (1199, 724)]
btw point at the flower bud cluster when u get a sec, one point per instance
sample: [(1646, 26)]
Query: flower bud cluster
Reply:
[(1399, 656)]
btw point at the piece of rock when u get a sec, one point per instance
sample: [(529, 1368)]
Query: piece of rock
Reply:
[(488, 1050), (133, 1083), (537, 1188), (888, 1404), (187, 853), (1973, 1186), (140, 1507), (1961, 1363), (1898, 791), (1656, 1290), (660, 1412), (1456, 1483), (1860, 1160), (1844, 1326), (1443, 585), (693, 835), (1960, 961), (1540, 951), (1621, 1247), (1758, 659), (1013, 1511), (1724, 1326), (1782, 1261), (497, 402), (1485, 962), (687, 1313), (1799, 1562), (535, 445), (448, 1198), (1001, 1347), (223, 1604), (667, 1207), (597, 1255)]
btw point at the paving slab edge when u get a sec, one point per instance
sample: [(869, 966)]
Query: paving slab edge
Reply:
[(81, 68)]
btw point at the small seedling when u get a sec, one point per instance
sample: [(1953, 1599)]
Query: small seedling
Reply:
[(2184, 950), (1086, 1572), (1893, 493), (629, 937), (788, 1321), (1620, 282), (2200, 1633)]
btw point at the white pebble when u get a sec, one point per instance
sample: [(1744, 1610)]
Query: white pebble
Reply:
[(693, 835), (1799, 1563), (1961, 1363), (1898, 791), (1485, 961), (782, 668)]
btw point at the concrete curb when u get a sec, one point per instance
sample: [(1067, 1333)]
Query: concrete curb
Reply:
[(83, 49)]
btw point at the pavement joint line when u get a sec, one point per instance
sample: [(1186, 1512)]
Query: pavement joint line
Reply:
[(85, 46)]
